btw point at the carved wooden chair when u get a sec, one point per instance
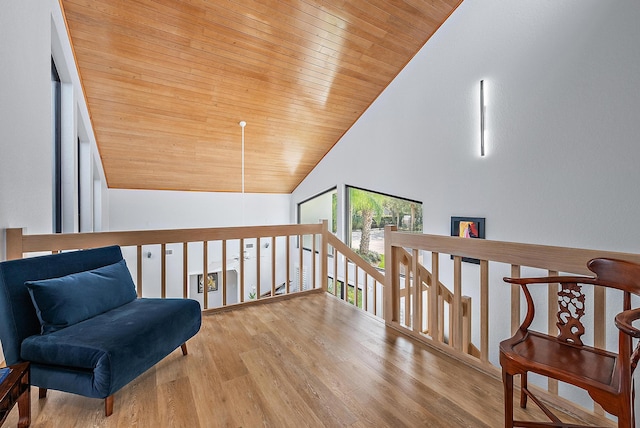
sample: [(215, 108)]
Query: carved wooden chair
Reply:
[(606, 376)]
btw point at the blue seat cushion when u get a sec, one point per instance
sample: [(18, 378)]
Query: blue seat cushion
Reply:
[(67, 300), (116, 346)]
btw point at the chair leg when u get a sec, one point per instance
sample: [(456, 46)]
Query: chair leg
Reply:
[(42, 392), (507, 381), (523, 390), (108, 406), (184, 348)]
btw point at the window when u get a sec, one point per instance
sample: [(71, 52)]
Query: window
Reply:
[(369, 212), (56, 127), (316, 208)]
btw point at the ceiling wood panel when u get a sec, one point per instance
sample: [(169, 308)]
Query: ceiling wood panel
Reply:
[(168, 81)]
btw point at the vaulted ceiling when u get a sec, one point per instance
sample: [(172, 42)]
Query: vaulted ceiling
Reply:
[(167, 83)]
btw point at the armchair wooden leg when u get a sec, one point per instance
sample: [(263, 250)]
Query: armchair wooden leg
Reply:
[(108, 406), (523, 390), (184, 348), (42, 392), (507, 381)]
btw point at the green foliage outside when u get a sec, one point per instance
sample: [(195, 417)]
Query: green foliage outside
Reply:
[(330, 289), (350, 296), (374, 210)]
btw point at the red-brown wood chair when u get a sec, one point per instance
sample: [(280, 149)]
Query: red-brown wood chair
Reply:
[(606, 376)]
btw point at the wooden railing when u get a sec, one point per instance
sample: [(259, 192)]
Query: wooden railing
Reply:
[(322, 262), (266, 261), (351, 277), (412, 296), (417, 311)]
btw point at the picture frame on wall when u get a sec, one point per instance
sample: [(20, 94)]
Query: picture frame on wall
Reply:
[(469, 228), (212, 282)]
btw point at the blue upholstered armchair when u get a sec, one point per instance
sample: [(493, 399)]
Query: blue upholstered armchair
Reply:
[(76, 317)]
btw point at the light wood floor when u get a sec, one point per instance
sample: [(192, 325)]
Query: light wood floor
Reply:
[(308, 361)]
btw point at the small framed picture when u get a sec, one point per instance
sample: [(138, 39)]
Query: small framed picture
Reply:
[(212, 282), (468, 227)]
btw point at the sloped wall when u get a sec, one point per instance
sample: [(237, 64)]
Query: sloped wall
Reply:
[(563, 97)]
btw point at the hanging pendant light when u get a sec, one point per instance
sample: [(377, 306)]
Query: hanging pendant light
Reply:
[(242, 124)]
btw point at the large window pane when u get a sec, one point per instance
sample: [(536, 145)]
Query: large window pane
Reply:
[(56, 126), (319, 207), (369, 212)]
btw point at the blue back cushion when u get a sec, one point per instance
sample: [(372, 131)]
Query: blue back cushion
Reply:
[(61, 302), (18, 318)]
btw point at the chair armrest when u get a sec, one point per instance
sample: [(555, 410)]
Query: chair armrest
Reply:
[(549, 280), (624, 321)]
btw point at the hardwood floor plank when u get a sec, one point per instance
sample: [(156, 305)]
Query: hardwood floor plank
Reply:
[(283, 396)]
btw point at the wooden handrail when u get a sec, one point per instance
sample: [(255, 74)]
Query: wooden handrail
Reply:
[(560, 259), (73, 241), (352, 255)]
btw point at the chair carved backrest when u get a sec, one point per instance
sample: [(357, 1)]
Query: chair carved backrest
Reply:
[(571, 310)]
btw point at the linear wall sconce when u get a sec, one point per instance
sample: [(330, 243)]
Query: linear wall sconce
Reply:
[(483, 111)]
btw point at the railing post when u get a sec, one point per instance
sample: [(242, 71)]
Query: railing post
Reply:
[(515, 300), (14, 243), (416, 322), (390, 308), (324, 255), (434, 294)]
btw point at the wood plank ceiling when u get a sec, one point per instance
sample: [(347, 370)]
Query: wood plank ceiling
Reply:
[(168, 81)]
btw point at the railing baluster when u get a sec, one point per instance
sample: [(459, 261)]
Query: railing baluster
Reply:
[(375, 296), (365, 292), (324, 255), (515, 300), (205, 274), (301, 263), (224, 273), (185, 270), (163, 270), (273, 265), (139, 269), (552, 329), (484, 312), (313, 261), (258, 273), (346, 279), (599, 331), (241, 260), (434, 330), (355, 285), (455, 308), (416, 322), (288, 263), (335, 271)]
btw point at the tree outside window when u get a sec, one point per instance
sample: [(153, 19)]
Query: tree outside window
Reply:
[(369, 212)]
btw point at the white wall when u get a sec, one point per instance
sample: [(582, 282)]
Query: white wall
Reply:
[(563, 82), (31, 32), (563, 102), (159, 209), (25, 117)]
